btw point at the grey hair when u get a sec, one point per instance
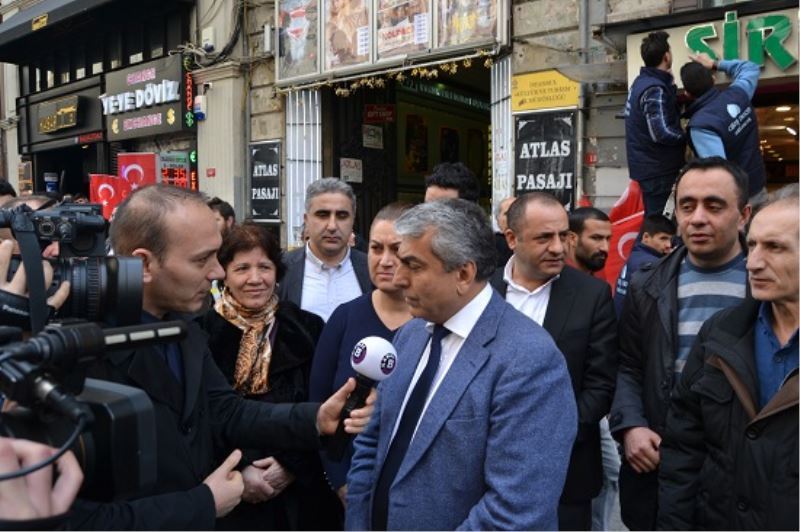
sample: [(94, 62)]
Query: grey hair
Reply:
[(789, 194), (329, 185), (461, 233)]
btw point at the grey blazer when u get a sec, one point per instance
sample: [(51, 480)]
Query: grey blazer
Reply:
[(291, 286)]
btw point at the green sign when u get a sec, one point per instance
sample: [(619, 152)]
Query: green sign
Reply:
[(765, 35)]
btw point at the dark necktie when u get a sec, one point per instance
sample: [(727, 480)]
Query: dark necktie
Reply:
[(172, 356), (405, 431)]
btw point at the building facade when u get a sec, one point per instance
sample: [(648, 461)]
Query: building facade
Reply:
[(528, 94)]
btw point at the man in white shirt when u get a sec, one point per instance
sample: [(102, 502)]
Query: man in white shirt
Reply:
[(326, 272), (578, 312), (476, 425)]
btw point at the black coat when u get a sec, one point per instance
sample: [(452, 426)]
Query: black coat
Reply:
[(307, 503), (291, 286), (580, 317), (195, 424), (724, 464)]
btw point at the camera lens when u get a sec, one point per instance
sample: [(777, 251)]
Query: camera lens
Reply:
[(103, 289), (47, 228)]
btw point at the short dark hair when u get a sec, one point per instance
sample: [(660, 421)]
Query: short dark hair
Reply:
[(222, 207), (456, 176), (7, 189), (697, 79), (516, 212), (658, 223), (250, 235), (653, 48), (704, 164), (139, 221), (578, 217)]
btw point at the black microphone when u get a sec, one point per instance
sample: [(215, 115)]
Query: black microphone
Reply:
[(374, 359)]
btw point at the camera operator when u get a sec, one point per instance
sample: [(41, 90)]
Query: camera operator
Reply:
[(199, 418), (32, 501)]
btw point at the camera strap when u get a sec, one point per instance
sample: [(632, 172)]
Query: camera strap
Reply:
[(25, 234)]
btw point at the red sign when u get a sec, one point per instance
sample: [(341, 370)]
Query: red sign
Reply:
[(379, 113), (86, 138), (109, 191), (211, 172), (138, 169)]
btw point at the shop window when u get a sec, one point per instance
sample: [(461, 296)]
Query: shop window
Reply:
[(134, 45), (155, 37), (114, 49), (79, 61), (95, 55), (62, 67)]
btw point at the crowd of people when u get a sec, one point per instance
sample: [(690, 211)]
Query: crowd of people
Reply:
[(525, 396)]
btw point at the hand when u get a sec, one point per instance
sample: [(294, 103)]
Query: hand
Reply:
[(641, 449), (329, 412), (342, 493), (278, 476), (18, 284), (256, 489), (226, 484), (704, 59), (34, 496)]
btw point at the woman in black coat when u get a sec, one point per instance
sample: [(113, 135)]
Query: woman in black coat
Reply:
[(264, 347)]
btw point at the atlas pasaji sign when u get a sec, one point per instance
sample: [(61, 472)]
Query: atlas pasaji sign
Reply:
[(150, 99)]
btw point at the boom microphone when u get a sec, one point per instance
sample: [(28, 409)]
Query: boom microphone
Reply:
[(373, 359)]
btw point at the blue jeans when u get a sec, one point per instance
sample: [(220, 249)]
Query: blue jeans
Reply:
[(603, 504)]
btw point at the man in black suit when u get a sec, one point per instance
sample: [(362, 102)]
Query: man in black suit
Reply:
[(578, 312), (199, 419), (326, 272)]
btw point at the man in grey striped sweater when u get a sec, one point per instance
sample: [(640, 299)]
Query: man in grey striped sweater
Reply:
[(666, 305)]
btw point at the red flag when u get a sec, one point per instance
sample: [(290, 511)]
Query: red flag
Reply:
[(138, 169), (109, 191), (630, 202)]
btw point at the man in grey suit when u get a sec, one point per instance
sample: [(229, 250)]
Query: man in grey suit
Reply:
[(326, 272), (474, 430)]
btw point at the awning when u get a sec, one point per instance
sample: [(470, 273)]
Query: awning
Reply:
[(30, 29), (40, 17)]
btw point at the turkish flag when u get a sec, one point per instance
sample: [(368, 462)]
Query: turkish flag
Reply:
[(138, 169), (109, 191), (626, 217)]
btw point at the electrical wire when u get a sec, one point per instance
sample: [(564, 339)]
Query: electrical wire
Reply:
[(79, 428)]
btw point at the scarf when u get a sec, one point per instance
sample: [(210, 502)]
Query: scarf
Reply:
[(251, 375)]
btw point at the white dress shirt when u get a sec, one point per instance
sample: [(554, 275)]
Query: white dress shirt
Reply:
[(531, 303), (460, 325), (326, 287)]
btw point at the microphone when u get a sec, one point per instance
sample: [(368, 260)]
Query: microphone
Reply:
[(373, 360)]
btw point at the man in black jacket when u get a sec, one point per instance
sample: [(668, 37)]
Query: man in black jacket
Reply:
[(578, 313), (197, 414), (666, 304), (730, 450)]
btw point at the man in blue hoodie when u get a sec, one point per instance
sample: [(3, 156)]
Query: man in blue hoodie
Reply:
[(654, 140), (723, 123), (657, 232)]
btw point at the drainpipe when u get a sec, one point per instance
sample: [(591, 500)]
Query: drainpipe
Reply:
[(580, 127)]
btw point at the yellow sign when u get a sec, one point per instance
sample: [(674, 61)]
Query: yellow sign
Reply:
[(39, 22), (549, 89)]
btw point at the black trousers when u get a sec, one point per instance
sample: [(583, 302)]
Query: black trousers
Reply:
[(575, 515), (638, 498)]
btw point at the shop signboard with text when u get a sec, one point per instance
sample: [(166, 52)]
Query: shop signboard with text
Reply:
[(768, 39), (545, 160), (149, 99), (265, 181)]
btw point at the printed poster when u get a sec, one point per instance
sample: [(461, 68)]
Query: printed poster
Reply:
[(347, 33), (403, 26), (297, 26), (464, 22), (545, 154)]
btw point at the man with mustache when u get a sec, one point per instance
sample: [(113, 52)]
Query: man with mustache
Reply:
[(326, 272), (666, 305), (590, 233), (729, 456), (578, 312)]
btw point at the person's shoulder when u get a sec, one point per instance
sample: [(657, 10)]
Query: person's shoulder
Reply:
[(290, 310), (295, 255), (581, 280)]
